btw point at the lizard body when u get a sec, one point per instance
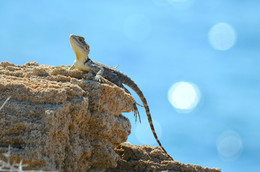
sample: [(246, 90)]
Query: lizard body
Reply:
[(84, 63)]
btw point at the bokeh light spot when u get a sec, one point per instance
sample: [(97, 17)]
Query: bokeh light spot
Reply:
[(144, 133), (184, 96), (229, 145), (222, 36)]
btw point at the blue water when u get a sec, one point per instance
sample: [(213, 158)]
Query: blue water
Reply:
[(159, 43)]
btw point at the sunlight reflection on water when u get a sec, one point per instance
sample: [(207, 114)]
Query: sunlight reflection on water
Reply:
[(222, 36), (229, 145), (184, 96)]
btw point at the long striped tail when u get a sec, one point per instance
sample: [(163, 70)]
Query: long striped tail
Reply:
[(129, 82)]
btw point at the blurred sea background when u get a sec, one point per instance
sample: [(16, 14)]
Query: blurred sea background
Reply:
[(197, 62)]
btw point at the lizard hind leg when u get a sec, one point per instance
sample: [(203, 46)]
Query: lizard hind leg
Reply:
[(113, 78), (136, 113)]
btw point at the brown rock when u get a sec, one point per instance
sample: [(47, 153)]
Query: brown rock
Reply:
[(59, 119), (63, 120), (148, 158)]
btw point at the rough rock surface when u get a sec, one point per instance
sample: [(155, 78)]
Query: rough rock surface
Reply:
[(148, 158), (63, 120), (58, 119)]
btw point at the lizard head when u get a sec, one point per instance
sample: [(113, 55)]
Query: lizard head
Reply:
[(80, 47)]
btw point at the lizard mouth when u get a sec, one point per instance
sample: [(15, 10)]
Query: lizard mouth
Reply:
[(80, 41), (74, 38), (79, 46)]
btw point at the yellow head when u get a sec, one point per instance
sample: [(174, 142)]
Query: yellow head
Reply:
[(80, 47)]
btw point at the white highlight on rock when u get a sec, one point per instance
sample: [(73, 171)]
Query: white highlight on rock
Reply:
[(144, 133), (4, 103), (229, 145), (184, 96), (222, 36)]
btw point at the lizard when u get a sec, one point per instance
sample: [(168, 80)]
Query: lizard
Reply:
[(103, 73)]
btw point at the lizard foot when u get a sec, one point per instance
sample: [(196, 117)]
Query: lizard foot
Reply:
[(100, 79), (136, 113)]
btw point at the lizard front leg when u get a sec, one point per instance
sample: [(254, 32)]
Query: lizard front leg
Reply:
[(99, 76), (98, 70)]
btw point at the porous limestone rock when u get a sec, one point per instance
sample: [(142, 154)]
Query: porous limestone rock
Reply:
[(148, 158), (61, 120)]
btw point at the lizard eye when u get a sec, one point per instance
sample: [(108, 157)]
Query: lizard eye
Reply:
[(87, 46), (81, 39)]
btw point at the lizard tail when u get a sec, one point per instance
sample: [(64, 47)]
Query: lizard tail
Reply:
[(129, 82), (152, 126)]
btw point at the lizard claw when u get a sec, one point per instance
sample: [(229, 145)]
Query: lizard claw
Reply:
[(136, 113), (139, 104), (100, 79)]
